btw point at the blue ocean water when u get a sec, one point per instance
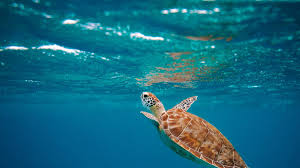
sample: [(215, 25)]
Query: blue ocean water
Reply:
[(71, 75)]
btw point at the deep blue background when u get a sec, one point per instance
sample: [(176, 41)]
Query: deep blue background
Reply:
[(113, 135)]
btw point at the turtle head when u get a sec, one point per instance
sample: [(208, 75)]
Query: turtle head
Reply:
[(151, 102)]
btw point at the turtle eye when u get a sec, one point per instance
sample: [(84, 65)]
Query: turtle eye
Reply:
[(145, 96)]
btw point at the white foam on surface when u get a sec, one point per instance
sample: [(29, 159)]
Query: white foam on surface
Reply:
[(165, 12), (174, 10), (106, 59), (216, 10), (91, 26), (57, 47), (15, 48), (140, 35), (70, 21)]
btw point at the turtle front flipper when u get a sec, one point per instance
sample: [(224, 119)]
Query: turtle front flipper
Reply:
[(186, 104), (150, 116)]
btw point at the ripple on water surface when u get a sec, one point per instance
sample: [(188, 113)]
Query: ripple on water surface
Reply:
[(209, 49)]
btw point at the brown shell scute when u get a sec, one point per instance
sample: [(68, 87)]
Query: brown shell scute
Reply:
[(173, 120), (211, 146), (164, 117), (193, 135), (201, 139)]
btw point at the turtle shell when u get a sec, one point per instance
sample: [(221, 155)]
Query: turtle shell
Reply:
[(200, 138)]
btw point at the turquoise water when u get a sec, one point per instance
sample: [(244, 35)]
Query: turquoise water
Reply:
[(71, 75)]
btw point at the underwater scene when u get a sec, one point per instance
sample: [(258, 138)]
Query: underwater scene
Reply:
[(76, 74)]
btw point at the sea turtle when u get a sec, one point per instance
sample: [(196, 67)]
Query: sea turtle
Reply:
[(191, 136)]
